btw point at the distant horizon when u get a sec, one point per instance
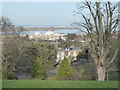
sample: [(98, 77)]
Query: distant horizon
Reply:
[(47, 25)]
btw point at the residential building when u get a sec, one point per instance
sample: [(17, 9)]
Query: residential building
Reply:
[(70, 53)]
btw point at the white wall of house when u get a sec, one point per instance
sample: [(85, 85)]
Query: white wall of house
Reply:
[(75, 54)]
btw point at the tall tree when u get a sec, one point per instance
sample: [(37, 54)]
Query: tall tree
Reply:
[(11, 45), (100, 21), (8, 46)]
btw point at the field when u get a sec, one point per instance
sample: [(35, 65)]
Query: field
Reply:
[(58, 84)]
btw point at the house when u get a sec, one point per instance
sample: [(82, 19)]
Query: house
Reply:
[(70, 53)]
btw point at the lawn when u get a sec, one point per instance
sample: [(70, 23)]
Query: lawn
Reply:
[(58, 84)]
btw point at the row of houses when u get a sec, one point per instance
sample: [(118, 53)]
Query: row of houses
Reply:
[(47, 36)]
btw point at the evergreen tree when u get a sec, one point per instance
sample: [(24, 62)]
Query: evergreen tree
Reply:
[(38, 71), (64, 70)]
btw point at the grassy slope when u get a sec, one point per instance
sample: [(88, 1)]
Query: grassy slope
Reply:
[(58, 84)]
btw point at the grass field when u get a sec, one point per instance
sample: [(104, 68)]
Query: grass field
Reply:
[(58, 84)]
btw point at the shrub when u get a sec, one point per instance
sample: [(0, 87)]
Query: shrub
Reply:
[(11, 71), (38, 71), (4, 72), (84, 71), (64, 70)]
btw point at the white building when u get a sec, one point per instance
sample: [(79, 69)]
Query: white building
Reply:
[(60, 55), (71, 54), (49, 33), (35, 36), (50, 36)]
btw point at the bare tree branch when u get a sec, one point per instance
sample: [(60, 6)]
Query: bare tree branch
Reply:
[(114, 56)]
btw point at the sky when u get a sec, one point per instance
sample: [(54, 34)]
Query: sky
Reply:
[(40, 13)]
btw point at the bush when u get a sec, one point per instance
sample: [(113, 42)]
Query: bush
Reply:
[(8, 71), (4, 72), (11, 71), (38, 71), (84, 71), (64, 70), (82, 75)]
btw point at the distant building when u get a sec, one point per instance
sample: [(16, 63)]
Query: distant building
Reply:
[(49, 33), (35, 36), (50, 36)]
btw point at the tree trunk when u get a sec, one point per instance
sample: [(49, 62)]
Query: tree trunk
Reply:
[(107, 76), (101, 73)]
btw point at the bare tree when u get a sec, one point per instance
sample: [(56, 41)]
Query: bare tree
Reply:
[(11, 43), (100, 21)]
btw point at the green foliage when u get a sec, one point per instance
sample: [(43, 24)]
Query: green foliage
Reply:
[(8, 68), (8, 71), (11, 71), (4, 72), (46, 51), (38, 71), (66, 44), (64, 70)]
